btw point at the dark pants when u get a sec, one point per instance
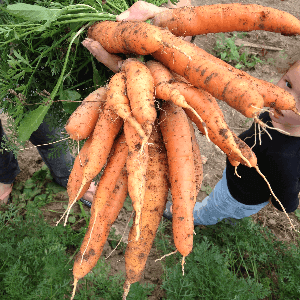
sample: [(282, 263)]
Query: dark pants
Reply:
[(60, 167)]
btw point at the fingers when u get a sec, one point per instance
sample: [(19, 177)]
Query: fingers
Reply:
[(140, 11), (111, 61)]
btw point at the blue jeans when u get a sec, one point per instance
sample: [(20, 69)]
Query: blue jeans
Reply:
[(60, 167), (220, 205)]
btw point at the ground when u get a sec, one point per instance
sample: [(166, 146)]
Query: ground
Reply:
[(30, 161)]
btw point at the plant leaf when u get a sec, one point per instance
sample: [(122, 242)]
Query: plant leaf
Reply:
[(31, 122), (33, 12)]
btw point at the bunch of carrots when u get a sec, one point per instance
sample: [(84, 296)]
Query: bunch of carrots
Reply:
[(139, 131)]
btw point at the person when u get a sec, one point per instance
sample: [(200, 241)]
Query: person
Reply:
[(59, 167), (278, 159)]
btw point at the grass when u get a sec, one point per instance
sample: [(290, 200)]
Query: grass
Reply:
[(226, 49), (243, 262)]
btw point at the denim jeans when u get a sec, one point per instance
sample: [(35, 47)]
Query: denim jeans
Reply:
[(220, 205), (60, 167)]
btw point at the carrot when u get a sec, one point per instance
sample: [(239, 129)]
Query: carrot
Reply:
[(163, 88), (126, 37), (197, 159), (137, 162), (75, 178), (176, 134), (119, 102), (188, 21), (107, 203), (83, 120), (106, 129), (157, 186), (202, 72), (140, 91), (218, 131), (274, 96)]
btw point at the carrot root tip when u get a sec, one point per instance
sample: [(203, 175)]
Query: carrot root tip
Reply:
[(74, 289)]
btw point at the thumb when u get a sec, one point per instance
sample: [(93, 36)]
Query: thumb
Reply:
[(124, 15)]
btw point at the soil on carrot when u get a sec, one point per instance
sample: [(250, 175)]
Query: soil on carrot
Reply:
[(260, 43)]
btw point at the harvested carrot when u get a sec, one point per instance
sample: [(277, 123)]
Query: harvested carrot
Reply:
[(126, 37), (107, 203), (157, 186), (83, 120), (106, 129), (119, 102), (207, 107), (189, 21), (274, 96), (164, 90), (176, 134), (197, 159), (140, 91), (237, 92), (75, 178), (137, 162)]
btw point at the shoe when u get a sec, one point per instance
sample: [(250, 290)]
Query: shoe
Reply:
[(167, 213), (86, 203), (3, 196)]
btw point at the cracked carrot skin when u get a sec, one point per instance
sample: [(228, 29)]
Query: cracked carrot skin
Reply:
[(83, 120), (106, 205), (157, 186), (176, 134), (189, 21), (126, 37)]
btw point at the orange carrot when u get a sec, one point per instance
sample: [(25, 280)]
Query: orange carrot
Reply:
[(274, 96), (197, 159), (202, 72), (207, 107), (140, 91), (137, 162), (119, 102), (75, 178), (126, 37), (107, 203), (106, 129), (188, 21), (157, 186), (83, 120), (176, 133), (165, 91)]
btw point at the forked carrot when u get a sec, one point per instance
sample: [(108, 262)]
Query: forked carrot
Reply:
[(207, 107), (83, 120), (176, 134), (189, 21), (224, 85), (140, 91), (165, 91), (157, 186), (119, 102)]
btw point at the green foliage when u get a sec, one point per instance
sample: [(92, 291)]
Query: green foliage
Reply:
[(42, 60), (227, 50), (245, 261), (30, 253)]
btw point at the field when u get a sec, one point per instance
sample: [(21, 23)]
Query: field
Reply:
[(273, 50)]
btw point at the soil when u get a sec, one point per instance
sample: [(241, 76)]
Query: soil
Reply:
[(30, 161)]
